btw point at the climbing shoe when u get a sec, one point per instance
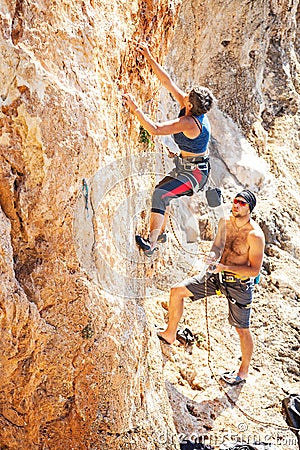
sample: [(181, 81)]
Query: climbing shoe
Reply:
[(144, 245), (162, 238), (185, 337)]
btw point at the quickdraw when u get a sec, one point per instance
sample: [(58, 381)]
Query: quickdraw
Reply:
[(85, 191)]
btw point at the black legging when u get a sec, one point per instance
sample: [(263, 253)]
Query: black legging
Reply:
[(175, 186)]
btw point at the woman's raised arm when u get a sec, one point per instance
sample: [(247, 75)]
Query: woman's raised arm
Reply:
[(162, 74)]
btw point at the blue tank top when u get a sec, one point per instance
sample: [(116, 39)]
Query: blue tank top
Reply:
[(200, 143)]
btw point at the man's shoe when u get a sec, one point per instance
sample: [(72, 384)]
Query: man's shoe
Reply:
[(232, 379), (144, 245), (162, 238)]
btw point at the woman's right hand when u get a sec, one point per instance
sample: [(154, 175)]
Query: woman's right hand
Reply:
[(142, 47)]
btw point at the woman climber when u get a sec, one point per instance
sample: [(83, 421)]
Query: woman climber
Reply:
[(191, 132)]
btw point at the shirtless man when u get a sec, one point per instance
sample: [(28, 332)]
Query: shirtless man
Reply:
[(239, 246)]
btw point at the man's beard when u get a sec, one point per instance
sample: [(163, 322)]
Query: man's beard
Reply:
[(236, 214)]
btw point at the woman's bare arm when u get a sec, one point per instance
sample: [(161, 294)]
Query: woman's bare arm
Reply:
[(181, 124), (162, 74)]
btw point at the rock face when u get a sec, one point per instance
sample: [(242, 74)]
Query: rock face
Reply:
[(81, 367)]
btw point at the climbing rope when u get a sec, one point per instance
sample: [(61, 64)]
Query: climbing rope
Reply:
[(231, 401)]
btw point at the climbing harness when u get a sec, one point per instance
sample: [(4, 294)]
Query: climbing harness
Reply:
[(225, 278), (186, 166), (85, 191), (214, 376)]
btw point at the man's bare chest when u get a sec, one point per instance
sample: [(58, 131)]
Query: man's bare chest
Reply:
[(236, 243)]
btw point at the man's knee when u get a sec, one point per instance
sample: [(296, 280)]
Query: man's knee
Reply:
[(243, 331), (179, 291)]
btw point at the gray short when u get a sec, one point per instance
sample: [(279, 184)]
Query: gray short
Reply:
[(239, 291)]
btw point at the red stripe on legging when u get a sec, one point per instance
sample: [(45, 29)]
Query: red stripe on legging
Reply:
[(198, 175), (179, 190), (186, 186)]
